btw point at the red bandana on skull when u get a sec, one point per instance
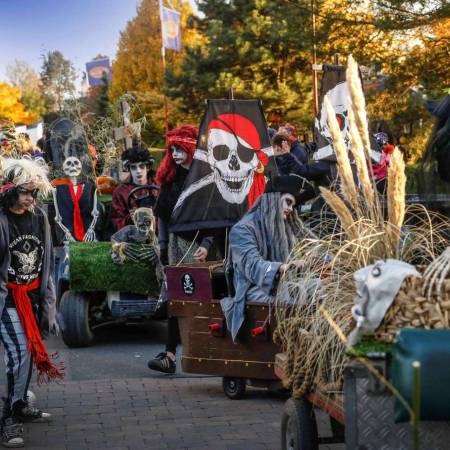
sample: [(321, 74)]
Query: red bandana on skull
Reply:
[(235, 155)]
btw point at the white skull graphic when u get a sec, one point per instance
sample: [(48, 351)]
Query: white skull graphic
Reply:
[(233, 162), (338, 97), (72, 166)]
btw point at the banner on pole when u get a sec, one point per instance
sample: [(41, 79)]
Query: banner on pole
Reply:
[(231, 165), (95, 70), (171, 28), (334, 85)]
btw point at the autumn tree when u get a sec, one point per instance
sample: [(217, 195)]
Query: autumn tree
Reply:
[(138, 69), (24, 77), (58, 76), (11, 109)]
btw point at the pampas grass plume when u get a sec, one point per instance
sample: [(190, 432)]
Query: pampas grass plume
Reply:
[(396, 189), (345, 170)]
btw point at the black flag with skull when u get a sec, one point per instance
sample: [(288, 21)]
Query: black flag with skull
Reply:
[(335, 87), (231, 165)]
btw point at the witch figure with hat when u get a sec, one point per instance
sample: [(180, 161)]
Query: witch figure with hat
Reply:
[(27, 292), (260, 244)]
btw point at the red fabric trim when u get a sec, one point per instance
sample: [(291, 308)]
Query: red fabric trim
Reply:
[(78, 225), (259, 180), (48, 371)]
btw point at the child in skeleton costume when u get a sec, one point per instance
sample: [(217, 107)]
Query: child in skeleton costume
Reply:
[(27, 292), (260, 244), (137, 242), (75, 203), (138, 161)]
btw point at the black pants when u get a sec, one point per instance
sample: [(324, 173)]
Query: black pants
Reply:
[(173, 335)]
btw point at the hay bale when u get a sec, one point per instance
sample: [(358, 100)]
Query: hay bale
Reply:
[(91, 269)]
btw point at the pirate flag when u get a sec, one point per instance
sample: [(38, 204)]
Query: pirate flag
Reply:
[(334, 85), (232, 162)]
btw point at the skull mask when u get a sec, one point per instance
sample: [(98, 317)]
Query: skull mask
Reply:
[(144, 220), (72, 166), (232, 159), (338, 97)]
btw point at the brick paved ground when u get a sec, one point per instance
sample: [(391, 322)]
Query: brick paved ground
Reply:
[(156, 413)]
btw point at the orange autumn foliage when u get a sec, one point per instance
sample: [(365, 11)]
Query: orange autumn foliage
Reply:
[(11, 110)]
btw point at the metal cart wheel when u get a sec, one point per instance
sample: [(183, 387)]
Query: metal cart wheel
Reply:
[(233, 388), (298, 426)]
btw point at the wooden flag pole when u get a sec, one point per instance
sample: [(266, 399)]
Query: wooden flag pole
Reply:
[(314, 59), (163, 52)]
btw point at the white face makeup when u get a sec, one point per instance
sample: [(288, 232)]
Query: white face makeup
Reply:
[(287, 205), (179, 155), (138, 173)]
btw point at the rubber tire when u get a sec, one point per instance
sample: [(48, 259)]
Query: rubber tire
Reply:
[(233, 388), (299, 426), (74, 308)]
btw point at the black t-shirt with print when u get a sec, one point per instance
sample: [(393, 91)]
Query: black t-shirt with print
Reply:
[(26, 248)]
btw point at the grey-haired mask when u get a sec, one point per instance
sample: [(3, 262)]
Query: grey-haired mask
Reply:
[(376, 288), (144, 220)]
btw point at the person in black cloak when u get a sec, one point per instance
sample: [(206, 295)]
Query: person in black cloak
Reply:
[(176, 247), (260, 244)]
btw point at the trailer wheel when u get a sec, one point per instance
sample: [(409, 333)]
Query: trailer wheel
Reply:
[(298, 426), (233, 388), (74, 308)]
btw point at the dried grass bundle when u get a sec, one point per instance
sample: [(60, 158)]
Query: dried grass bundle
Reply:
[(315, 353)]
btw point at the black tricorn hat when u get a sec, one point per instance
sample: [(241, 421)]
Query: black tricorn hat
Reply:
[(286, 184)]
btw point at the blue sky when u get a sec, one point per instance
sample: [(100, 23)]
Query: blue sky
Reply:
[(80, 29)]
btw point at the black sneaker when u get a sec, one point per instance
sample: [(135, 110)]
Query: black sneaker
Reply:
[(162, 363), (12, 433), (31, 414)]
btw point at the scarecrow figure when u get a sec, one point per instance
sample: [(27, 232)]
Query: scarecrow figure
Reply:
[(137, 242), (260, 244), (27, 292), (76, 206)]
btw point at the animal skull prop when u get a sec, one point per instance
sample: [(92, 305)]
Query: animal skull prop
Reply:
[(72, 167), (233, 158)]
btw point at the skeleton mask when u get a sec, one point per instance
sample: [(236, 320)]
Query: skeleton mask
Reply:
[(287, 204), (376, 288), (72, 166), (338, 97), (234, 163), (144, 220), (179, 156)]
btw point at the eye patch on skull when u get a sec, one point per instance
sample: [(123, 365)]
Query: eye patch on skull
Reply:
[(222, 151)]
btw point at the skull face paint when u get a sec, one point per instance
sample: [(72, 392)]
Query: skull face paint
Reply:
[(287, 204), (233, 162), (72, 167), (179, 156), (144, 220), (138, 173)]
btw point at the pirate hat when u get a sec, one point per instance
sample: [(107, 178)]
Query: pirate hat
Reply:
[(285, 184)]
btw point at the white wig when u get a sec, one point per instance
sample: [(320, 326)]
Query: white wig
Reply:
[(24, 171)]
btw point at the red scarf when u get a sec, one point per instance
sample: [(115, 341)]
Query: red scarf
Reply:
[(78, 225), (48, 371)]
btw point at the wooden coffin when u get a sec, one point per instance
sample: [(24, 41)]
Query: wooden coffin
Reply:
[(207, 344)]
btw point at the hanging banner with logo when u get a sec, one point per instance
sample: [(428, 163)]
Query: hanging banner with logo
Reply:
[(231, 165), (334, 85), (171, 28), (95, 70)]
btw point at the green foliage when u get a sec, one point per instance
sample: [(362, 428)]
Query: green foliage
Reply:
[(58, 75), (92, 269)]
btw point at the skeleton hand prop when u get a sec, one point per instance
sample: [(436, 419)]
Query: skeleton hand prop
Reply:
[(435, 275), (118, 254), (141, 253)]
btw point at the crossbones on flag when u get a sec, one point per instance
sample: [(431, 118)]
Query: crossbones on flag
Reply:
[(334, 85), (231, 165)]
